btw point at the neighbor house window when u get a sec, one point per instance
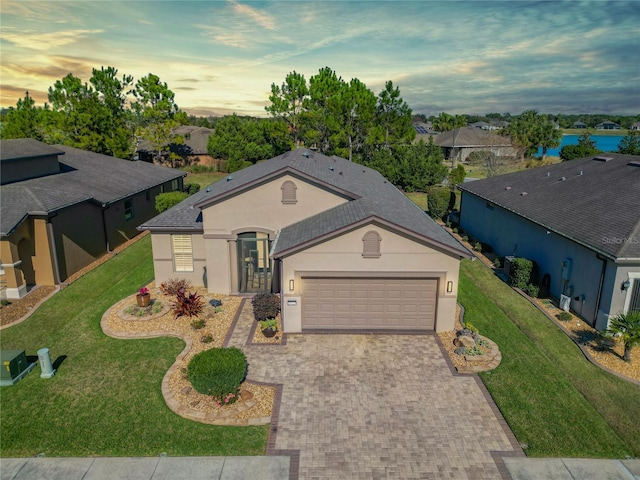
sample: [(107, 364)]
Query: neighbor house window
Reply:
[(371, 245), (174, 185), (289, 192), (182, 253), (128, 209)]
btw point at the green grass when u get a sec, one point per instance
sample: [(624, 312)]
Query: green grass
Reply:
[(105, 399), (419, 198), (554, 400), (204, 179)]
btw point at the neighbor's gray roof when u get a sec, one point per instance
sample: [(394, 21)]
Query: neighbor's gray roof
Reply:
[(471, 137), (372, 198), (84, 176), (18, 148), (195, 140), (597, 204)]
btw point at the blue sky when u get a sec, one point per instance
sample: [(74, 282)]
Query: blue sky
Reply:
[(222, 56)]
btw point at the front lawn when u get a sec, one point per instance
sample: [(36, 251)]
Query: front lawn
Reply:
[(105, 398), (555, 401)]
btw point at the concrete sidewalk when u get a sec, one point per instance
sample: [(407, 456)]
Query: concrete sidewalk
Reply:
[(145, 468), (572, 469), (275, 468)]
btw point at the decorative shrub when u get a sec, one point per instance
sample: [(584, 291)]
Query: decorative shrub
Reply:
[(564, 316), (174, 285), (520, 273), (191, 188), (208, 338), (460, 351), (532, 290), (265, 306), (455, 230), (198, 324), (137, 311), (218, 372), (4, 302), (469, 326), (438, 202), (165, 201), (477, 247), (465, 238), (187, 304), (497, 262), (269, 323)]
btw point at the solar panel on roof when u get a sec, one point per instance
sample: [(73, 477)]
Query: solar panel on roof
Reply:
[(420, 129)]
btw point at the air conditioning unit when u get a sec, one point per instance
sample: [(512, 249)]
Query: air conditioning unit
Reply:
[(507, 264)]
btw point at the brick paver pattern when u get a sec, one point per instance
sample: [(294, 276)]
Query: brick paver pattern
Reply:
[(376, 406)]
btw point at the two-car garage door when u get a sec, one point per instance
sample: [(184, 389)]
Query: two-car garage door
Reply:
[(369, 303)]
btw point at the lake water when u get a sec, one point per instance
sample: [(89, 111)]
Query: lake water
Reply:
[(606, 143)]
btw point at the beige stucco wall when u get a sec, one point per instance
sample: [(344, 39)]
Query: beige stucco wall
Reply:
[(261, 209), (163, 259), (400, 256)]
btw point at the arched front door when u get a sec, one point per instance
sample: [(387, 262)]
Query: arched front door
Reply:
[(254, 264)]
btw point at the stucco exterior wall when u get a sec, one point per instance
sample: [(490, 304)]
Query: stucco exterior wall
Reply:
[(400, 257), (164, 265), (510, 234), (261, 208)]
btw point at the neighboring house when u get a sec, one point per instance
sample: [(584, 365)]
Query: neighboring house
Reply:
[(424, 131), (193, 150), (607, 125), (345, 249), (459, 143), (62, 208), (579, 125), (635, 126), (578, 220)]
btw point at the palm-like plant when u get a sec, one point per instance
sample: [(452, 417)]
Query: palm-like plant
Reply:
[(626, 327)]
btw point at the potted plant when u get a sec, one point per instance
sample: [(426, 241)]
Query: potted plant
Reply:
[(269, 327), (143, 297)]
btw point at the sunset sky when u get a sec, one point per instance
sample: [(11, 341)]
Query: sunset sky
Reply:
[(222, 56)]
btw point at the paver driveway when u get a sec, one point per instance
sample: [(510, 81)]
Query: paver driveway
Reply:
[(379, 406)]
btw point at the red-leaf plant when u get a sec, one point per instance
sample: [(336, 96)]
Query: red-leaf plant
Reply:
[(187, 304)]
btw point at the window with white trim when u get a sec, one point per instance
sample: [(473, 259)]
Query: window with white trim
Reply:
[(182, 253), (371, 244), (289, 192)]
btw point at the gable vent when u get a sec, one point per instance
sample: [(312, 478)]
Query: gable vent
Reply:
[(635, 163), (603, 159)]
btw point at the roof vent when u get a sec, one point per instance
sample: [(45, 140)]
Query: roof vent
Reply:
[(507, 188), (229, 178), (635, 163), (522, 194), (562, 179), (340, 173), (603, 159), (208, 189), (580, 174), (331, 168), (548, 174)]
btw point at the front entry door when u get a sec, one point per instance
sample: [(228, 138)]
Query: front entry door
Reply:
[(254, 264)]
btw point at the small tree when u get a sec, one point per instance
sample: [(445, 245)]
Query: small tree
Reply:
[(456, 176), (438, 202), (626, 327)]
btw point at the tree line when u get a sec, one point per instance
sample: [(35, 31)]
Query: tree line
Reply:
[(109, 114)]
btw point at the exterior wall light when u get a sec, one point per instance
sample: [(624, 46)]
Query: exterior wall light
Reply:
[(625, 285), (291, 285), (449, 287)]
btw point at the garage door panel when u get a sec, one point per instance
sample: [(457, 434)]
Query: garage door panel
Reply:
[(369, 303)]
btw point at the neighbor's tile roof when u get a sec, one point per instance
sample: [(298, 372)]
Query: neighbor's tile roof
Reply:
[(84, 176), (597, 204), (371, 198)]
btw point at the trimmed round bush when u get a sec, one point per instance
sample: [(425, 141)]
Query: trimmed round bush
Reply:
[(218, 372)]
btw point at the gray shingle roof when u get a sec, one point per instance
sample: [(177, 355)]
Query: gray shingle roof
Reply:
[(26, 148), (84, 176), (597, 204), (371, 198), (471, 137)]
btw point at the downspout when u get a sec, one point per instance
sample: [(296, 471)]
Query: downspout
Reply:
[(53, 252), (104, 228), (600, 285)]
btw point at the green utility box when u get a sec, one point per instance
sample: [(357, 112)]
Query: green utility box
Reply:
[(13, 366)]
